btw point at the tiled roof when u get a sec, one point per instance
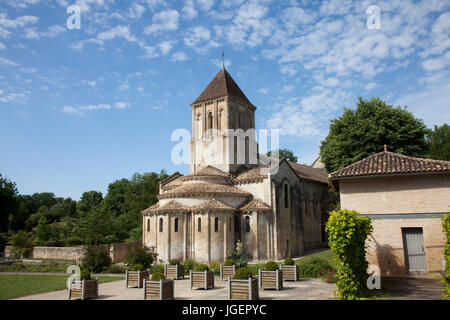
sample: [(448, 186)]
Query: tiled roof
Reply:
[(213, 205), (390, 163), (171, 206), (151, 209), (222, 85), (306, 172), (174, 176), (192, 189), (207, 171), (256, 205), (249, 175)]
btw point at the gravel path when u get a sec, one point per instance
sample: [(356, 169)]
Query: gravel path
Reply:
[(310, 289)]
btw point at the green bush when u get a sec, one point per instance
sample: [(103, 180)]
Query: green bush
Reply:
[(289, 261), (158, 276), (229, 262), (22, 245), (19, 267), (114, 268), (189, 265), (214, 266), (271, 266), (85, 274), (137, 267), (157, 268), (174, 262), (313, 267), (96, 260), (137, 254), (243, 273), (202, 267), (3, 242), (347, 238), (446, 228)]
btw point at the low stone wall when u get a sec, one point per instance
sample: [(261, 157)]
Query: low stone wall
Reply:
[(117, 252)]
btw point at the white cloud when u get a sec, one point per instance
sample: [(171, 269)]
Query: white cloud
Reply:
[(196, 35), (2, 46), (163, 21), (118, 31), (136, 11), (179, 56), (166, 46), (81, 110), (188, 10), (8, 62)]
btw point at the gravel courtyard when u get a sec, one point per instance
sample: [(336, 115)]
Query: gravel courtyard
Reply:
[(305, 289)]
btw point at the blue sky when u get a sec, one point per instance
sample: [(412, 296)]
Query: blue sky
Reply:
[(82, 108)]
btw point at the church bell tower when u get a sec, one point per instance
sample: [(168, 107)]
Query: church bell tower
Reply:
[(223, 123)]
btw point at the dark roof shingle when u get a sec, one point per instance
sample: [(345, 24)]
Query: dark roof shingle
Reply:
[(222, 85), (390, 163)]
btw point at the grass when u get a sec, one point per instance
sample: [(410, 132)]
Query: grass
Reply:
[(15, 286)]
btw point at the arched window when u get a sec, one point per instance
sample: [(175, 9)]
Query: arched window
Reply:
[(199, 225), (210, 121), (148, 225), (286, 196), (176, 225), (220, 121), (237, 225), (199, 125), (216, 224), (161, 225), (247, 224)]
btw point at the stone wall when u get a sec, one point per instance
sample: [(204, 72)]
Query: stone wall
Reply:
[(386, 248), (117, 252)]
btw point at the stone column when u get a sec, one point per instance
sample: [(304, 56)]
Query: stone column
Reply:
[(268, 249), (225, 237), (169, 232), (255, 243), (185, 242)]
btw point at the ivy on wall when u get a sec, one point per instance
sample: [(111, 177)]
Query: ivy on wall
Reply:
[(446, 228), (347, 237)]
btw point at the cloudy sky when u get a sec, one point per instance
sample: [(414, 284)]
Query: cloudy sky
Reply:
[(80, 108)]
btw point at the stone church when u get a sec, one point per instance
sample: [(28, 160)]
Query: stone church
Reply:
[(234, 193)]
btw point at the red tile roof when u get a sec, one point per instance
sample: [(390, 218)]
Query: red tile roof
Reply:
[(390, 163), (222, 85)]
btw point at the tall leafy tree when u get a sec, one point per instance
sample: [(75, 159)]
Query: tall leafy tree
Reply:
[(360, 133), (43, 231), (284, 153), (8, 203), (439, 142)]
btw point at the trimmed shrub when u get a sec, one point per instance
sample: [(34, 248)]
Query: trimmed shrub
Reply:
[(243, 273), (137, 267), (229, 262), (22, 245), (157, 268), (85, 274), (137, 254), (446, 227), (289, 261), (158, 276), (96, 260), (114, 268), (189, 265), (347, 238), (174, 262), (271, 266), (202, 267), (215, 266), (313, 267)]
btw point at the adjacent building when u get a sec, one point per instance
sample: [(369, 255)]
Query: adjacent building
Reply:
[(406, 198)]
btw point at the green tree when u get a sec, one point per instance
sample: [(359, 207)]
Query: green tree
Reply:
[(439, 142), (89, 200), (43, 231), (284, 153), (360, 133), (8, 203)]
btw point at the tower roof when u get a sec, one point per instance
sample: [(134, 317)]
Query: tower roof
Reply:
[(222, 85)]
